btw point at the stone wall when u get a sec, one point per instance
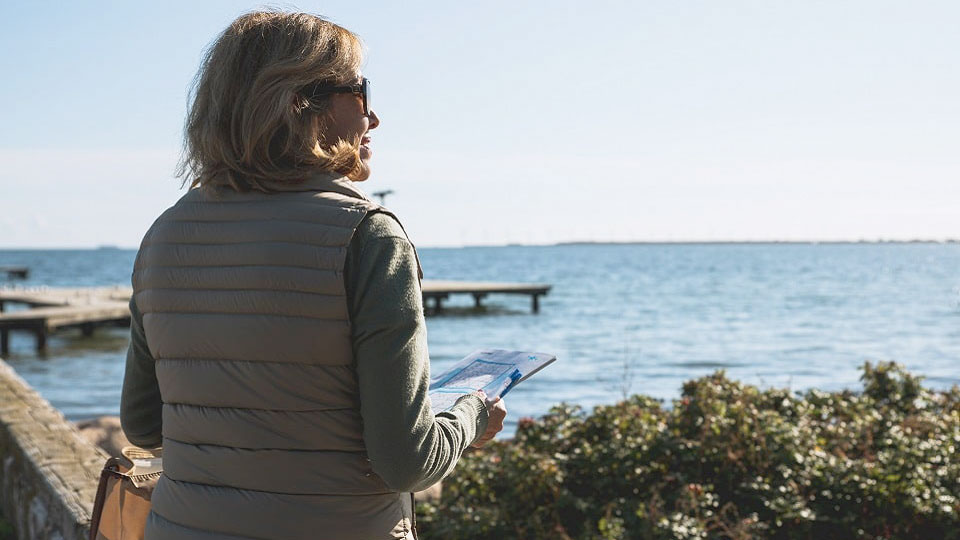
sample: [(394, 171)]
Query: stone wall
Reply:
[(48, 471)]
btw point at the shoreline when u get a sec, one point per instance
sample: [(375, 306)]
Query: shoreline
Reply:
[(692, 242)]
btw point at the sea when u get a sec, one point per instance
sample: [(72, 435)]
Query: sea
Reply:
[(621, 318)]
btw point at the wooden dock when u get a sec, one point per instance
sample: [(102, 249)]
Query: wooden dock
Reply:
[(439, 291), (20, 272), (63, 296), (51, 308)]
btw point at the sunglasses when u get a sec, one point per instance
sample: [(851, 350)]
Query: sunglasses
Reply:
[(362, 90)]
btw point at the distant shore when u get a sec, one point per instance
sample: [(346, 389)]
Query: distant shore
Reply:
[(750, 242), (581, 243)]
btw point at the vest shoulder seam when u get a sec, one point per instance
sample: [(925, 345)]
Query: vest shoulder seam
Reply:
[(336, 318), (230, 360), (199, 406), (304, 291), (283, 220), (218, 486), (272, 266), (251, 265), (241, 242), (234, 289)]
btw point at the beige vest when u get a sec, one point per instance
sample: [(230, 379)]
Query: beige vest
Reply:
[(244, 309)]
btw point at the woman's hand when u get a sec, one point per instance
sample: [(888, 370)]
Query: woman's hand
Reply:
[(496, 412)]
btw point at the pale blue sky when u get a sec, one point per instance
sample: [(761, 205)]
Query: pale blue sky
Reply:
[(530, 122)]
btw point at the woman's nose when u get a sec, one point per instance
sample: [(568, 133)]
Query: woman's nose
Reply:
[(374, 120)]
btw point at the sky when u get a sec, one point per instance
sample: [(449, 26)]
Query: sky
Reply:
[(525, 122)]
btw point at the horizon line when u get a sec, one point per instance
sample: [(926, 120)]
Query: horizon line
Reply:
[(108, 247)]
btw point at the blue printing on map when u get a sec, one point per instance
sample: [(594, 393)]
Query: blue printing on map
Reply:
[(457, 372), (514, 376), (514, 379), (463, 390)]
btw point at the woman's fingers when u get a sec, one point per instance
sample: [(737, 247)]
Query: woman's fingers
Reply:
[(496, 412)]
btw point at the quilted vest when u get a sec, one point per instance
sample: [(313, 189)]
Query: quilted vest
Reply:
[(245, 313)]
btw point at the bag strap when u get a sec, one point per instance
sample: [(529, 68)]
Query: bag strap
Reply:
[(110, 469)]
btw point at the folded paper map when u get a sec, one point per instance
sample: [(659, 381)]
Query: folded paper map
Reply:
[(495, 371)]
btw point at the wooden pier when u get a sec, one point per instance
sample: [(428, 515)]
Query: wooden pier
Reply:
[(439, 291), (20, 272), (50, 309)]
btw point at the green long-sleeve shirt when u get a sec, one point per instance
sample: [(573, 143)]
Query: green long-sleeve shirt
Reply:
[(407, 445)]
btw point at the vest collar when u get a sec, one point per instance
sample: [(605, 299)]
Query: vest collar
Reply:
[(322, 181)]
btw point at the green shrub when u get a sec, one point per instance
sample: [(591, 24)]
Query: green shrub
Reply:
[(726, 461)]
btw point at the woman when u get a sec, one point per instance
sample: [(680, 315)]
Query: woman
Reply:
[(278, 346)]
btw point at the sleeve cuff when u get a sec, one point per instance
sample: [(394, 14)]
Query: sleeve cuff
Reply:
[(473, 406)]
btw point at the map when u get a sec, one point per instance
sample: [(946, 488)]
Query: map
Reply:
[(495, 371)]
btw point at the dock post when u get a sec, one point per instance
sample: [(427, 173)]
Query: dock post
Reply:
[(41, 340), (437, 304), (478, 299), (536, 303), (4, 342)]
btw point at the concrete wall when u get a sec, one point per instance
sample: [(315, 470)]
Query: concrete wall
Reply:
[(48, 471)]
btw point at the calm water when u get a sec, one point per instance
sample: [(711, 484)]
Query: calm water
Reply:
[(620, 318)]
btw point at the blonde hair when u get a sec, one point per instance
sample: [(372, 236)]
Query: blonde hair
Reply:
[(249, 121)]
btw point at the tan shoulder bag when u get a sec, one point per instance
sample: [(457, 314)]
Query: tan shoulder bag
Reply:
[(123, 496)]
